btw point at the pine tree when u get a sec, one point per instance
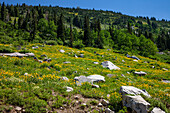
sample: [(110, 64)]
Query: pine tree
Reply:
[(71, 36), (129, 28), (40, 13), (87, 39), (3, 12), (60, 29), (16, 11), (11, 11), (151, 37)]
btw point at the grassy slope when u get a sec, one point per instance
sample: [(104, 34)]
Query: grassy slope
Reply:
[(38, 88)]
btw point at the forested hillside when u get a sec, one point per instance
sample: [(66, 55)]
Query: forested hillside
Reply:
[(76, 27)]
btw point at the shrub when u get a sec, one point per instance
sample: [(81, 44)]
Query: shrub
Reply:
[(51, 42), (78, 44)]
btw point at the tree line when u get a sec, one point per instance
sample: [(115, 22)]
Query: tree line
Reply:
[(52, 25)]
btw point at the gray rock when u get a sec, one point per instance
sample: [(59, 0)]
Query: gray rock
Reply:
[(128, 72), (64, 78), (135, 60), (166, 81), (123, 61), (43, 55), (110, 65), (69, 89), (67, 62), (95, 86), (157, 110), (134, 57), (36, 47), (75, 56), (18, 108), (40, 61), (107, 110), (140, 73), (136, 103), (132, 90), (110, 75), (105, 102), (100, 105), (81, 79), (153, 67), (122, 75), (165, 69), (81, 55), (95, 62), (96, 78), (62, 51), (30, 54)]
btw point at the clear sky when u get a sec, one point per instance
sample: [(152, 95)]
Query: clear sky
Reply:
[(151, 8)]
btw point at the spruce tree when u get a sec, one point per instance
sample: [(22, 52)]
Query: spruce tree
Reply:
[(87, 39), (16, 11), (60, 29), (3, 12), (71, 36)]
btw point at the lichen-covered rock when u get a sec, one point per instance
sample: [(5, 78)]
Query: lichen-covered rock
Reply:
[(136, 103)]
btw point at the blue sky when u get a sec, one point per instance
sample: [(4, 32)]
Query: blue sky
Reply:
[(151, 8)]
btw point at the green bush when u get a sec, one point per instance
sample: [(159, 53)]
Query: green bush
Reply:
[(51, 42), (78, 44), (6, 49)]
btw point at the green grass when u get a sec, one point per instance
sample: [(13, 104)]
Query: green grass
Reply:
[(42, 86)]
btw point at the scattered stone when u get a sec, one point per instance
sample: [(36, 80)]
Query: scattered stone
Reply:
[(45, 59), (165, 69), (134, 57), (64, 78), (157, 110), (95, 62), (35, 58), (110, 75), (23, 110), (69, 89), (81, 79), (135, 60), (81, 55), (43, 55), (61, 108), (105, 102), (95, 86), (18, 108), (40, 61), (122, 75), (123, 61), (100, 105), (67, 62), (136, 103), (62, 51), (107, 110), (36, 47), (132, 90), (166, 81), (75, 56), (145, 62), (128, 72), (161, 53), (153, 67), (108, 95), (96, 78), (75, 72), (128, 66), (26, 74), (110, 65), (140, 73), (76, 97), (30, 54)]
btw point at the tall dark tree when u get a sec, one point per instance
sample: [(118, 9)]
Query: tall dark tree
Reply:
[(16, 11), (151, 37), (11, 11), (148, 21), (3, 12), (40, 13), (71, 36), (20, 21), (87, 38), (129, 28), (60, 29)]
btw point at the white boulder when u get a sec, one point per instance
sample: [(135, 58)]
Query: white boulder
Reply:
[(136, 103), (62, 51), (110, 65), (96, 78), (140, 73), (157, 110), (133, 91), (69, 89)]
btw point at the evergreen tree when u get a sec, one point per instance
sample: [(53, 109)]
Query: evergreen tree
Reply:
[(3, 12), (151, 37), (11, 11), (71, 36), (16, 12), (129, 28), (40, 13), (87, 39), (60, 29)]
